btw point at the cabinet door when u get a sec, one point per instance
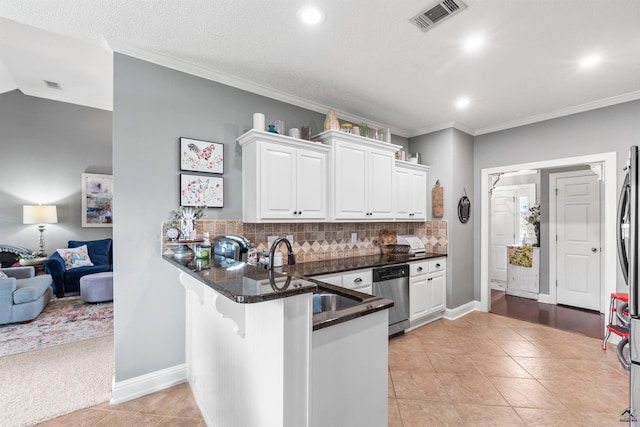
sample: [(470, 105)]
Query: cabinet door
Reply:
[(311, 182), (381, 179), (418, 297), (418, 195), (350, 165), (277, 181), (403, 193), (436, 291)]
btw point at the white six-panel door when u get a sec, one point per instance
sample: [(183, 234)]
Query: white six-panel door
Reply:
[(578, 241), (503, 209)]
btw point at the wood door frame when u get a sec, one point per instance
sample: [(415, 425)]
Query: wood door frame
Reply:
[(609, 174), (553, 249)]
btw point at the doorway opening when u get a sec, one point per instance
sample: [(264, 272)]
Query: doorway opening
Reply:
[(608, 175)]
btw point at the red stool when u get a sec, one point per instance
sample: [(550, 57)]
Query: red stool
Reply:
[(619, 325)]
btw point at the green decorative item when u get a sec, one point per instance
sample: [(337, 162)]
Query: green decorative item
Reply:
[(364, 129)]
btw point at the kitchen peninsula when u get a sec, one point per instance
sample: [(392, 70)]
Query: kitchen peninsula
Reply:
[(258, 355)]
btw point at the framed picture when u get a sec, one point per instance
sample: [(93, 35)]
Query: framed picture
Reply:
[(97, 200), (199, 190), (201, 156)]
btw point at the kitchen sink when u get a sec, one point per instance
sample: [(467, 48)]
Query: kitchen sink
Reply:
[(325, 301)]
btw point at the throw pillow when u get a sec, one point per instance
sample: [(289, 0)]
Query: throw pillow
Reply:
[(3, 275), (75, 257)]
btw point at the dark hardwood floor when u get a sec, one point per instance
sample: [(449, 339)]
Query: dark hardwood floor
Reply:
[(585, 322)]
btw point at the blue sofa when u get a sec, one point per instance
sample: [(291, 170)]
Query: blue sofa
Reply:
[(68, 281), (23, 295)]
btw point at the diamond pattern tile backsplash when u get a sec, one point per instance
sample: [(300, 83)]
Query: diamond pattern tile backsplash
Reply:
[(321, 241)]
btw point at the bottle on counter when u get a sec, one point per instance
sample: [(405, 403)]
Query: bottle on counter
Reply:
[(203, 250)]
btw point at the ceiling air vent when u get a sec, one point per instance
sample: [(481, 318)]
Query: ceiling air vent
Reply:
[(436, 13)]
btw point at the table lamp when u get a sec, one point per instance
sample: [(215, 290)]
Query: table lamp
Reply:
[(40, 215)]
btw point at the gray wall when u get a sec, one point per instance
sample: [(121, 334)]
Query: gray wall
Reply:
[(45, 146), (449, 152), (610, 129), (153, 107)]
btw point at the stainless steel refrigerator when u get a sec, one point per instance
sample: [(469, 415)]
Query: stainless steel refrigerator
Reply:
[(628, 228)]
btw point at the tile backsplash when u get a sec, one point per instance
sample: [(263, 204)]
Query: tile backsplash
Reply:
[(320, 241)]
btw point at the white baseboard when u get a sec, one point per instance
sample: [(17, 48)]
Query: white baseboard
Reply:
[(544, 298), (455, 313), (133, 388)]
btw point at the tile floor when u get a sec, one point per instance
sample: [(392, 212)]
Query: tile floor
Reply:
[(481, 369)]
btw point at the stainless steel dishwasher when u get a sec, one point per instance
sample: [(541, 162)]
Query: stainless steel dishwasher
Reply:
[(393, 283)]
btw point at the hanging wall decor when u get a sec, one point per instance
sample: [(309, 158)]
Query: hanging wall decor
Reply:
[(201, 156), (437, 202), (198, 190), (464, 208), (97, 200)]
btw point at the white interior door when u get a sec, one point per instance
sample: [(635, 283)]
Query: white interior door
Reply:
[(503, 209), (578, 241)]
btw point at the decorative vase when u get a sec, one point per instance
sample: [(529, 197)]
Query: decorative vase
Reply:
[(331, 122), (536, 228)]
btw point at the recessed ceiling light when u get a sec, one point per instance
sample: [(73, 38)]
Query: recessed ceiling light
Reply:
[(463, 102), (473, 43), (311, 15), (590, 61)]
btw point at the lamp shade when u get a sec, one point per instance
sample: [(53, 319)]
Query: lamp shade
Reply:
[(32, 214)]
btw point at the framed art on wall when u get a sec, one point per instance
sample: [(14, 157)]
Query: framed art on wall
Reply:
[(97, 200), (201, 156), (199, 190)]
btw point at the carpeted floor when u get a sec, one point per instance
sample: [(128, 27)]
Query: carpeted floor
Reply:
[(43, 384), (63, 320)]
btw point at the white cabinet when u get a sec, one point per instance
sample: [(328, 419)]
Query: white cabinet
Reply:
[(427, 288), (358, 280), (362, 174), (410, 191), (283, 179)]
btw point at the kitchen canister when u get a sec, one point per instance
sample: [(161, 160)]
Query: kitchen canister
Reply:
[(258, 121), (414, 157), (279, 124)]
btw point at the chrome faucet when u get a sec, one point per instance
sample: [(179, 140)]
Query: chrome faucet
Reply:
[(272, 252)]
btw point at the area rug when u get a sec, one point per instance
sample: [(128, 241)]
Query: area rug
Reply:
[(63, 320)]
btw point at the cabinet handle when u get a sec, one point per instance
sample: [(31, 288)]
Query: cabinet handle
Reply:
[(430, 279), (357, 280), (438, 265), (419, 268)]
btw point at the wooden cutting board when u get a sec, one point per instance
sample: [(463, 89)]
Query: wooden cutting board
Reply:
[(437, 203)]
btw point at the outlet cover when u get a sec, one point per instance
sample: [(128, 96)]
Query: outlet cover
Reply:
[(270, 240), (290, 238), (354, 237)]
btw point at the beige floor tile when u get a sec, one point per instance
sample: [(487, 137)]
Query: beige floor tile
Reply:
[(390, 390), (454, 364), (471, 388), (486, 415), (395, 420), (409, 360), (82, 418), (527, 393), (128, 419), (499, 366), (548, 418), (405, 343), (516, 348), (445, 345), (422, 413), (180, 422), (502, 332), (418, 385), (585, 396), (544, 368), (177, 402), (474, 345)]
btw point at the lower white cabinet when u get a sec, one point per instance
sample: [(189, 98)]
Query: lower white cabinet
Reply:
[(358, 280), (427, 288)]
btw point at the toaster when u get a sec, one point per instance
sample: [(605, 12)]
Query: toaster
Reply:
[(233, 247)]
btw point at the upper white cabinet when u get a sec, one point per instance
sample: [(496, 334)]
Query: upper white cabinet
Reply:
[(410, 191), (361, 177), (283, 179)]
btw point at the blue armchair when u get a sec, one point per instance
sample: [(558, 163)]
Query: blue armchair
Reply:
[(67, 281), (23, 295)]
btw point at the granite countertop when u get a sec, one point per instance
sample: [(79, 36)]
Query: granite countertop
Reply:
[(241, 282), (244, 283), (316, 268)]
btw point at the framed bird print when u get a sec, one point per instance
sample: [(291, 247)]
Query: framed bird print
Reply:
[(201, 156)]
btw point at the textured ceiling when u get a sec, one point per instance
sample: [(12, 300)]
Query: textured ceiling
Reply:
[(367, 61)]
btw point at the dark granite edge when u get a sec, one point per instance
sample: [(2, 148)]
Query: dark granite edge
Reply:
[(238, 298)]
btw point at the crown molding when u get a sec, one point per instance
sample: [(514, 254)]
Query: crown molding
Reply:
[(113, 45), (605, 102), (448, 125)]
